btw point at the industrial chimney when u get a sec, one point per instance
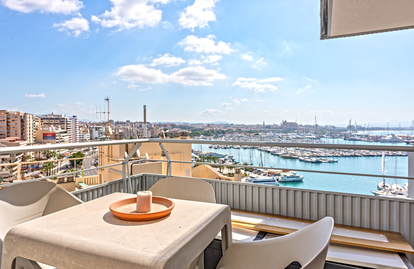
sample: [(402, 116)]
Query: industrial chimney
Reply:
[(145, 121)]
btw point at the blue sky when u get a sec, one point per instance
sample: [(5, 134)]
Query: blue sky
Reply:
[(199, 61)]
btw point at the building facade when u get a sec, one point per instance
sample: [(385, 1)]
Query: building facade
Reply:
[(18, 125), (56, 121), (74, 129), (96, 132)]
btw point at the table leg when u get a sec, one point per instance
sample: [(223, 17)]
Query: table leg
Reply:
[(225, 238)]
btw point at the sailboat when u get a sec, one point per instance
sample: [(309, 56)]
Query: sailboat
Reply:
[(385, 190)]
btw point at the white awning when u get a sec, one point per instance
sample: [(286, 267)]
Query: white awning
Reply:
[(341, 18)]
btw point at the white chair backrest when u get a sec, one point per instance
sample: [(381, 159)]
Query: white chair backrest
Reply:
[(184, 188), (30, 200), (308, 246), (314, 242)]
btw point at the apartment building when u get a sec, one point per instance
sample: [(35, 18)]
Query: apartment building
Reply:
[(96, 132), (84, 135), (18, 124), (74, 129), (55, 121)]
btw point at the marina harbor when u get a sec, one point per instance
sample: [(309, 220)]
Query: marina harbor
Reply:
[(289, 160)]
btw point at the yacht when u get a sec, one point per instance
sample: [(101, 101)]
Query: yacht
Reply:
[(262, 180), (290, 177), (391, 139)]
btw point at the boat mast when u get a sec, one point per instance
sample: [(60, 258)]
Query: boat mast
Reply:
[(383, 169)]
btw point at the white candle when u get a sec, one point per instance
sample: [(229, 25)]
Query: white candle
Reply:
[(144, 201)]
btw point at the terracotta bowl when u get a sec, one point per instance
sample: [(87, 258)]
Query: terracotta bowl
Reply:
[(126, 209)]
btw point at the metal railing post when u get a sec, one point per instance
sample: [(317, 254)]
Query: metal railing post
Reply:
[(124, 176), (410, 193), (125, 169), (168, 158)]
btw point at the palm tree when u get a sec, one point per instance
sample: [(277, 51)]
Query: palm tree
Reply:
[(48, 166)]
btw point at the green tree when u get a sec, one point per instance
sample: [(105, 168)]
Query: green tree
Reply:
[(53, 154), (60, 156), (46, 153), (76, 155)]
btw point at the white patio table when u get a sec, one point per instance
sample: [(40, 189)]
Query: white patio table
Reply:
[(90, 236)]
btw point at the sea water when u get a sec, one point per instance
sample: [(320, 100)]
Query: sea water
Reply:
[(394, 166)]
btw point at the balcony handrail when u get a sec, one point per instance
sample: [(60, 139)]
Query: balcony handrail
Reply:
[(12, 150), (285, 145), (275, 168), (37, 148), (59, 175)]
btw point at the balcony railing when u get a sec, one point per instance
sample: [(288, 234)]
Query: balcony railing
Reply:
[(356, 210)]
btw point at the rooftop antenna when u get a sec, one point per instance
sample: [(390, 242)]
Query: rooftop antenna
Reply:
[(107, 100), (104, 112)]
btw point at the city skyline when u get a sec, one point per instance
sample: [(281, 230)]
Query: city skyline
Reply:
[(199, 61)]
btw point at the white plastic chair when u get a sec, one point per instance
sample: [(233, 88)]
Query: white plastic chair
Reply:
[(308, 246), (27, 201), (184, 188)]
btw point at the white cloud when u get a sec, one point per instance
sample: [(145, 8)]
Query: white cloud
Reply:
[(227, 106), (198, 15), (308, 79), (194, 62), (246, 79), (211, 112), (142, 73), (259, 63), (31, 95), (257, 85), (136, 87), (52, 6), (167, 60), (205, 45), (260, 100), (247, 57), (167, 25), (244, 100), (305, 89), (196, 75), (271, 79), (237, 102), (74, 26), (213, 59), (288, 47), (127, 14), (78, 103), (193, 75)]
